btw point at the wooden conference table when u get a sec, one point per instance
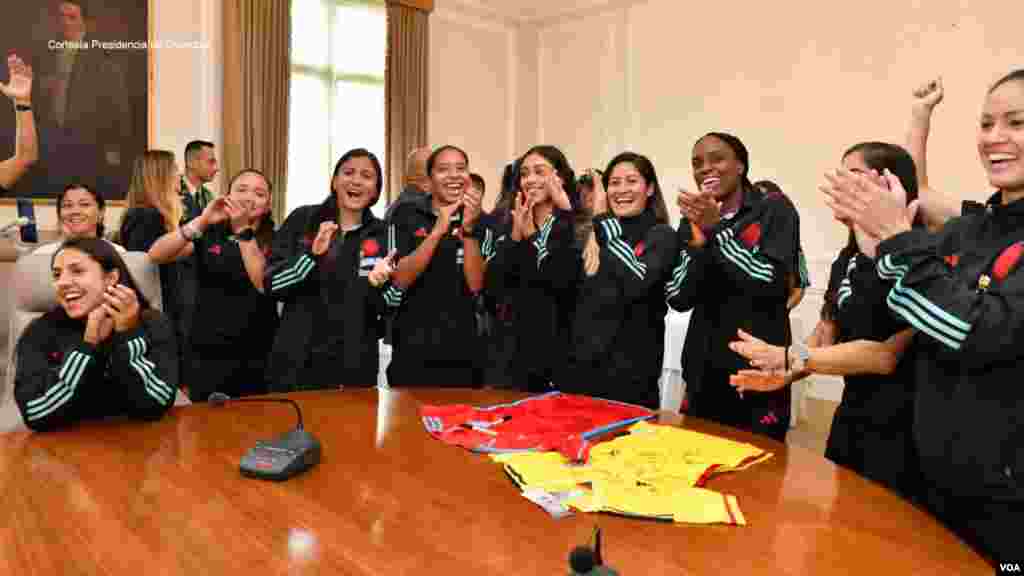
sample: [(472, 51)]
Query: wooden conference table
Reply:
[(122, 497)]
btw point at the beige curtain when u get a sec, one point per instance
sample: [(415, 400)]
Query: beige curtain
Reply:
[(257, 74), (406, 86)]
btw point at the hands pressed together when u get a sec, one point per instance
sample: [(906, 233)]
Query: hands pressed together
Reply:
[(119, 312)]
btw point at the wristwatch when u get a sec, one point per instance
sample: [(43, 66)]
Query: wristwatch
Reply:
[(799, 356), (247, 235)]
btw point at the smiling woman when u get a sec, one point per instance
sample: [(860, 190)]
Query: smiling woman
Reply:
[(618, 336), (234, 321), (738, 251), (326, 269), (80, 212), (102, 352), (962, 290), (443, 252)]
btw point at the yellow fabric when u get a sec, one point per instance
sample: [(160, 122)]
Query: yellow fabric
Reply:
[(653, 471)]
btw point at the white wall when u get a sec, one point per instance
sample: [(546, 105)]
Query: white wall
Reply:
[(474, 63), (187, 93)]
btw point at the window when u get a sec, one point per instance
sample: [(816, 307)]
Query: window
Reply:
[(337, 92)]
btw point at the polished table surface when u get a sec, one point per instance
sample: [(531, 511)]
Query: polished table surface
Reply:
[(121, 497)]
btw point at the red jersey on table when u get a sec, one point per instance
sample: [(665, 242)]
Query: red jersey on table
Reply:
[(555, 421)]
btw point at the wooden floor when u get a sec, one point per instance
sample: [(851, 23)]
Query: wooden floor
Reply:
[(812, 432)]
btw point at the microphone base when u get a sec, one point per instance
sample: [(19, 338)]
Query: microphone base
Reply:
[(281, 458)]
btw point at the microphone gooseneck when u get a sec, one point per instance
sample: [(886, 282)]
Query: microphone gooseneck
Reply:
[(220, 398)]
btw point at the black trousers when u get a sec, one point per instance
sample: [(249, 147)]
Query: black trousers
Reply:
[(883, 453), (210, 372), (765, 413), (406, 372), (991, 527)]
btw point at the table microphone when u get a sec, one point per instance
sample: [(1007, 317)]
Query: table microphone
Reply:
[(280, 458), (586, 561)]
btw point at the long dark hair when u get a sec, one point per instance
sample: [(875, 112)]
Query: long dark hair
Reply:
[(265, 229), (509, 185), (564, 170), (100, 202), (645, 167), (328, 210), (878, 156)]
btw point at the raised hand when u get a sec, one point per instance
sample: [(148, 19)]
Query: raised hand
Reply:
[(591, 255), (98, 326), (324, 236), (238, 212), (523, 225), (761, 355), (600, 194), (701, 209), (472, 200), (215, 212), (19, 84), (879, 212), (122, 306), (927, 96), (444, 216), (556, 190), (382, 270)]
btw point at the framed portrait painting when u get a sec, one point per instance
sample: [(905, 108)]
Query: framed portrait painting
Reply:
[(90, 92)]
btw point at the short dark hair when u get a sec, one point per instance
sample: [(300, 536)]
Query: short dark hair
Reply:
[(194, 147), (100, 202), (479, 181), (1016, 75)]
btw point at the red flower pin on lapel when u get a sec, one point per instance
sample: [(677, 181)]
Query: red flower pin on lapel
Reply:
[(751, 235), (370, 247)]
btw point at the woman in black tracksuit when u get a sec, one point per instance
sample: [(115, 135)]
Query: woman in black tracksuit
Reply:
[(871, 429), (234, 322), (963, 291), (102, 352), (534, 272), (618, 336), (443, 251), (738, 250), (321, 269)]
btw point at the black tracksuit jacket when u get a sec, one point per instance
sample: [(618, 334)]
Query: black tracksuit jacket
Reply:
[(331, 323), (60, 379), (618, 335)]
